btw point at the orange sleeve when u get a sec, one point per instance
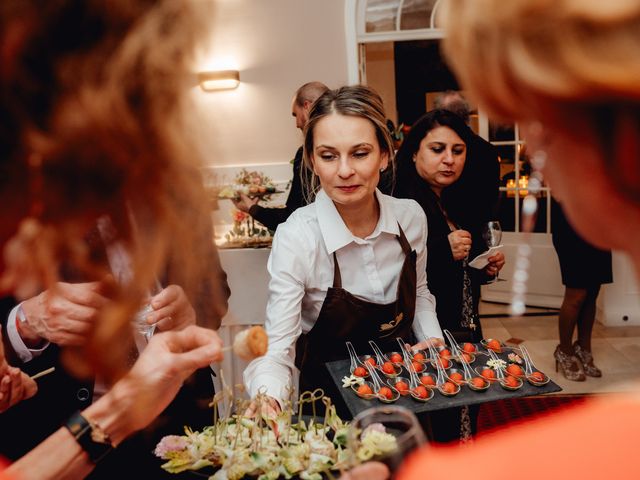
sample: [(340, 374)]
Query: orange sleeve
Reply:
[(597, 439)]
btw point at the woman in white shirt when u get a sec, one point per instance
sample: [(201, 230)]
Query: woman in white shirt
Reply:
[(351, 265)]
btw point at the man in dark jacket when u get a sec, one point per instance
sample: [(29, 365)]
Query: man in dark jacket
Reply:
[(302, 102)]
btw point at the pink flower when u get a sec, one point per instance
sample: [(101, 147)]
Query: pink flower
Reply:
[(170, 443), (239, 216)]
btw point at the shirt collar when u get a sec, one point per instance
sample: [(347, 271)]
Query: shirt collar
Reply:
[(334, 231)]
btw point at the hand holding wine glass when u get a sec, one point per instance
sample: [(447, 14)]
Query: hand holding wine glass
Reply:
[(492, 236), (369, 428)]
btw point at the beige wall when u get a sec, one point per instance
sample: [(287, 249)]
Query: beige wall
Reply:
[(277, 45)]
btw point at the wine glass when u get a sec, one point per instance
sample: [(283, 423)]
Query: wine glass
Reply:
[(399, 422), (492, 235), (140, 319)]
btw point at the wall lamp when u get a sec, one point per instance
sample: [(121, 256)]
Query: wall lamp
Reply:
[(219, 80)]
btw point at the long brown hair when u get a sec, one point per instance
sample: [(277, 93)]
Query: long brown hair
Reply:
[(93, 94)]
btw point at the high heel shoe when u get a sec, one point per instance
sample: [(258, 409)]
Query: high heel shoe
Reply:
[(569, 366), (586, 358)]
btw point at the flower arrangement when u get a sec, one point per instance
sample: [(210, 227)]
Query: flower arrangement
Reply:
[(249, 183), (270, 448), (246, 231)]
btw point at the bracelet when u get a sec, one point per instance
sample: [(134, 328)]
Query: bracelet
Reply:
[(90, 436)]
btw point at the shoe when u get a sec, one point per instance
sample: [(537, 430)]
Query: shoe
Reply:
[(586, 358), (569, 366)]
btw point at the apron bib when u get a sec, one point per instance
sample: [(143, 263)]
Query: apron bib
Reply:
[(344, 317)]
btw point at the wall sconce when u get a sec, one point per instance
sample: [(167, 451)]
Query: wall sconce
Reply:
[(219, 80)]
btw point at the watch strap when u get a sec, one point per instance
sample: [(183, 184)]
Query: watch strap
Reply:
[(89, 436)]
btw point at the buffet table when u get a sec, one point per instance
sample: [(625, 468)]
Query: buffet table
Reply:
[(248, 280)]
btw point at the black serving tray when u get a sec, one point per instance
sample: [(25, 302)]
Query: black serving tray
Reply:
[(355, 404)]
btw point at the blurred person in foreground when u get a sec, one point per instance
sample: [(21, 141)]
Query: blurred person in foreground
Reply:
[(92, 99), (567, 71)]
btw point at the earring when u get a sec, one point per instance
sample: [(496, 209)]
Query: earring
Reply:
[(382, 170)]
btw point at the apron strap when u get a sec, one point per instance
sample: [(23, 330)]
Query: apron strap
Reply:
[(337, 278), (404, 243)]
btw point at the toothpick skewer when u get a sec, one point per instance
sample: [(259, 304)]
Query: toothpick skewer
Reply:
[(43, 373)]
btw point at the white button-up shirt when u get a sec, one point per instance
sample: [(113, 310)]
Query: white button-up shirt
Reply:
[(301, 269)]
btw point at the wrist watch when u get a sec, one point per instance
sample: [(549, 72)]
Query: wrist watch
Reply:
[(90, 437)]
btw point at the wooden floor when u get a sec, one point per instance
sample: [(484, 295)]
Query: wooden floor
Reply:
[(616, 350)]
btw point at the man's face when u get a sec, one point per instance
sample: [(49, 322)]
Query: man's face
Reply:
[(300, 113)]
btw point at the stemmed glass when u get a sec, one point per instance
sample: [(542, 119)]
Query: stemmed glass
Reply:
[(492, 235), (397, 421), (140, 319)]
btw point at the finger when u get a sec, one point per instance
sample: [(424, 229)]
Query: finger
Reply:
[(250, 412), (62, 309), (5, 384), (367, 471), (188, 362), (30, 386), (88, 294), (168, 324), (66, 339), (463, 233), (162, 315), (17, 388), (2, 359), (167, 296), (192, 338)]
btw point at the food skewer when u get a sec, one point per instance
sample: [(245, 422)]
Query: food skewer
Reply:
[(250, 343), (43, 373)]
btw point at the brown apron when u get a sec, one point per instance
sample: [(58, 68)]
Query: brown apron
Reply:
[(344, 317)]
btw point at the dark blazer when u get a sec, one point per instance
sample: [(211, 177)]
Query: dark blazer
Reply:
[(272, 217)]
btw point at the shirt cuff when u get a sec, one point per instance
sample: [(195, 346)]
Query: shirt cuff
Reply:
[(24, 353), (426, 325)]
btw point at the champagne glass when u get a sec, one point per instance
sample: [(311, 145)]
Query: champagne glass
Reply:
[(492, 235), (396, 421), (140, 318)]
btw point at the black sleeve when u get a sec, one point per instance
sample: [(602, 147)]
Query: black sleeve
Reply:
[(6, 305), (272, 217)]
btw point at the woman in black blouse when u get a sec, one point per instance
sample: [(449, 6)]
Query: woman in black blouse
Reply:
[(430, 161)]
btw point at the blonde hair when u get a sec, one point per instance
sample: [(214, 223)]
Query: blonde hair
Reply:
[(96, 92), (358, 101), (519, 57)]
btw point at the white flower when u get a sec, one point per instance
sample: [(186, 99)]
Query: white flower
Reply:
[(351, 380), (497, 364)]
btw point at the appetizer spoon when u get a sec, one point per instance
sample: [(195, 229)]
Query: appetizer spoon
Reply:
[(418, 391), (384, 360), (501, 378), (443, 379), (469, 376), (378, 385), (455, 348), (353, 356), (530, 369)]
